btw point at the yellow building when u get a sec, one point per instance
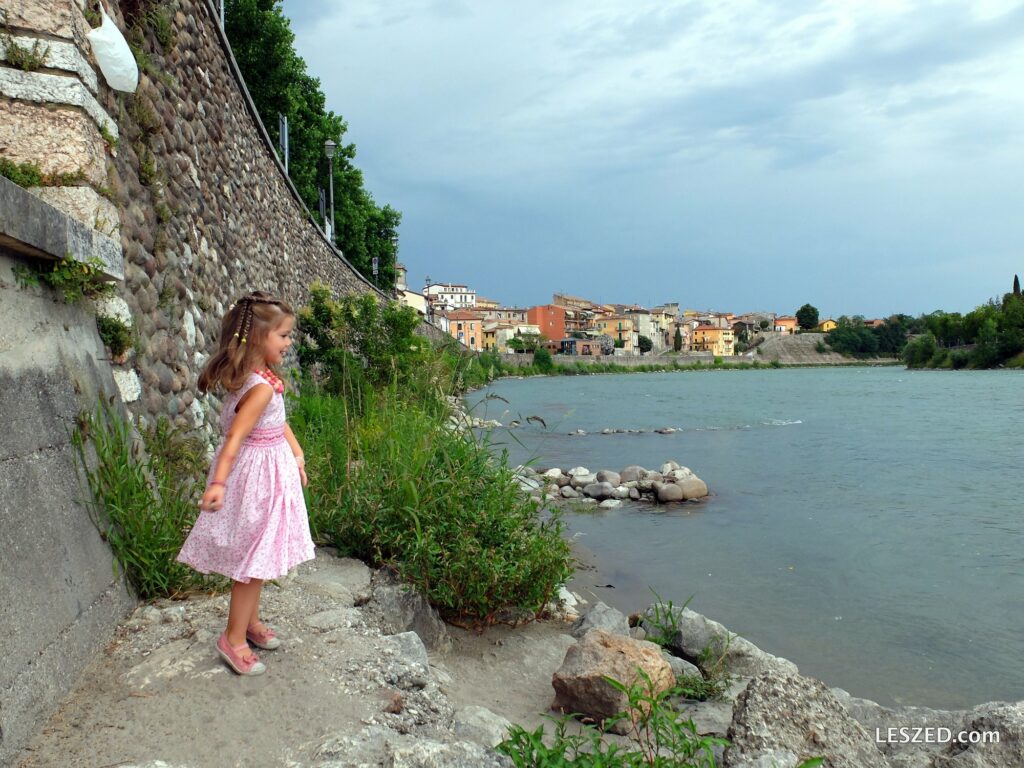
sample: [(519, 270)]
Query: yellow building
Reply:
[(717, 341), (621, 328), (826, 326)]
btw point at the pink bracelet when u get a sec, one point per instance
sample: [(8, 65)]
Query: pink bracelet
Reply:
[(217, 482)]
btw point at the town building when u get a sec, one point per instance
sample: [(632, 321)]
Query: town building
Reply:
[(710, 338), (827, 326), (622, 330), (449, 296), (466, 326), (550, 319), (786, 324)]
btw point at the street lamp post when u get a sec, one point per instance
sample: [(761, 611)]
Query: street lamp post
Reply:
[(329, 147), (426, 295)]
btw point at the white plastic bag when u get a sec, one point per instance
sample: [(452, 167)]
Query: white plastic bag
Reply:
[(114, 56)]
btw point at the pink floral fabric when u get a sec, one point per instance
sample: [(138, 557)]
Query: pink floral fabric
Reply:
[(262, 531)]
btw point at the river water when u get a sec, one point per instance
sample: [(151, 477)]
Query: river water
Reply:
[(865, 523)]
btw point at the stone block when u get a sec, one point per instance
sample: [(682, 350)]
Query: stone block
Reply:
[(57, 139), (66, 56), (60, 18), (45, 88), (83, 204)]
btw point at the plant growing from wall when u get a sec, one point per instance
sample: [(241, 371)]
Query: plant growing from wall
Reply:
[(115, 334), (17, 55), (74, 279)]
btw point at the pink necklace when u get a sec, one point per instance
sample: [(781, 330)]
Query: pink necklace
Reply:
[(272, 379)]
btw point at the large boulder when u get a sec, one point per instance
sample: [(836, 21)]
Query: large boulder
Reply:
[(582, 481), (580, 684), (740, 657), (692, 488), (480, 725), (607, 476), (599, 491), (631, 474), (799, 715), (601, 616), (401, 609), (1004, 720), (668, 466), (668, 492)]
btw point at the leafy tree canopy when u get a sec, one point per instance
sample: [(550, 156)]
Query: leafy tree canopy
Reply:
[(807, 317)]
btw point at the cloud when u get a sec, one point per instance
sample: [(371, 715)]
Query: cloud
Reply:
[(563, 136)]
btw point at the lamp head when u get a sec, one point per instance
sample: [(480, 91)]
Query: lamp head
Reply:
[(329, 147)]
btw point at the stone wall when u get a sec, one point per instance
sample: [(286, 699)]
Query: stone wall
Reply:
[(177, 192), (59, 598)]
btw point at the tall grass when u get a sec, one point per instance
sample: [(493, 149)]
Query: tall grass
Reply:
[(143, 499), (395, 485)]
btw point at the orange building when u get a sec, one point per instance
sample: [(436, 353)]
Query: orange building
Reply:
[(785, 324), (550, 318), (467, 327)]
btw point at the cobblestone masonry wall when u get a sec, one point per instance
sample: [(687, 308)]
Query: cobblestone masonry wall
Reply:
[(191, 187)]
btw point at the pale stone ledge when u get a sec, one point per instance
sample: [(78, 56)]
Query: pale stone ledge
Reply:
[(59, 18), (59, 55), (84, 204), (54, 89), (30, 226), (128, 384)]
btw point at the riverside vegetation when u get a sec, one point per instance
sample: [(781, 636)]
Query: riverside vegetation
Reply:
[(394, 485)]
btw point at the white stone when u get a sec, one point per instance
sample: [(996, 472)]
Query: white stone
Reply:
[(54, 89), (59, 55), (128, 384), (198, 415), (579, 471), (553, 473), (566, 597), (116, 307), (610, 504), (189, 325)]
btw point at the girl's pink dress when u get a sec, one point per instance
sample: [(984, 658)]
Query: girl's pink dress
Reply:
[(262, 531)]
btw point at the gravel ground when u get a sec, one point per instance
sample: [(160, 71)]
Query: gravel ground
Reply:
[(160, 696)]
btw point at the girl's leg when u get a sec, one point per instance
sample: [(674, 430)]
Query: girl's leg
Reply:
[(245, 599), (254, 619)]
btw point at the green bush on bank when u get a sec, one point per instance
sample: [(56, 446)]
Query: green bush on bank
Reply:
[(397, 486)]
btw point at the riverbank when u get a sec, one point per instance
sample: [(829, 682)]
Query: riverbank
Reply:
[(352, 685)]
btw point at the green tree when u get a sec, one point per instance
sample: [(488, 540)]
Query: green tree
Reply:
[(763, 325), (263, 44), (677, 342), (645, 345), (1016, 285), (807, 317), (542, 360)]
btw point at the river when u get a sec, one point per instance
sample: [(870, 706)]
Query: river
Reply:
[(864, 523)]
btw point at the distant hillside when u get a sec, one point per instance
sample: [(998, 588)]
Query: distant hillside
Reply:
[(802, 349)]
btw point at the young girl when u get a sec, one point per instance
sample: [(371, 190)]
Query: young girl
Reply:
[(253, 524)]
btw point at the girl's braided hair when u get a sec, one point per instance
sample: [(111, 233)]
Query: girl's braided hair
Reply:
[(243, 332)]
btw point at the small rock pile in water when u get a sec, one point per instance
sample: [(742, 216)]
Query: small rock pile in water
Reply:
[(672, 483)]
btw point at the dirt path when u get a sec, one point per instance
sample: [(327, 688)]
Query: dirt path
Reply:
[(160, 693)]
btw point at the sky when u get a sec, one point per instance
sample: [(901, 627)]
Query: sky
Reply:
[(865, 156)]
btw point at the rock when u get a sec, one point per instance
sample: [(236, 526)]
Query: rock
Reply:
[(554, 473), (695, 632), (693, 488), (579, 683), (622, 492), (173, 615), (681, 667), (610, 504), (665, 431), (410, 649), (601, 616), (563, 480), (634, 494), (631, 474), (529, 483), (333, 619), (607, 476), (607, 431), (654, 477), (151, 614), (599, 491), (402, 610), (568, 492), (681, 473), (668, 466), (800, 715), (773, 758), (425, 753), (710, 718), (582, 481), (578, 471), (668, 492), (480, 725), (1007, 720)]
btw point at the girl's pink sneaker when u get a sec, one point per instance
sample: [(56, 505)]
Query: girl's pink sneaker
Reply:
[(243, 665), (263, 638)]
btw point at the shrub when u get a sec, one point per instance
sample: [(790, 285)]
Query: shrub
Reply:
[(542, 360), (115, 334), (144, 506), (399, 487), (74, 279)]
